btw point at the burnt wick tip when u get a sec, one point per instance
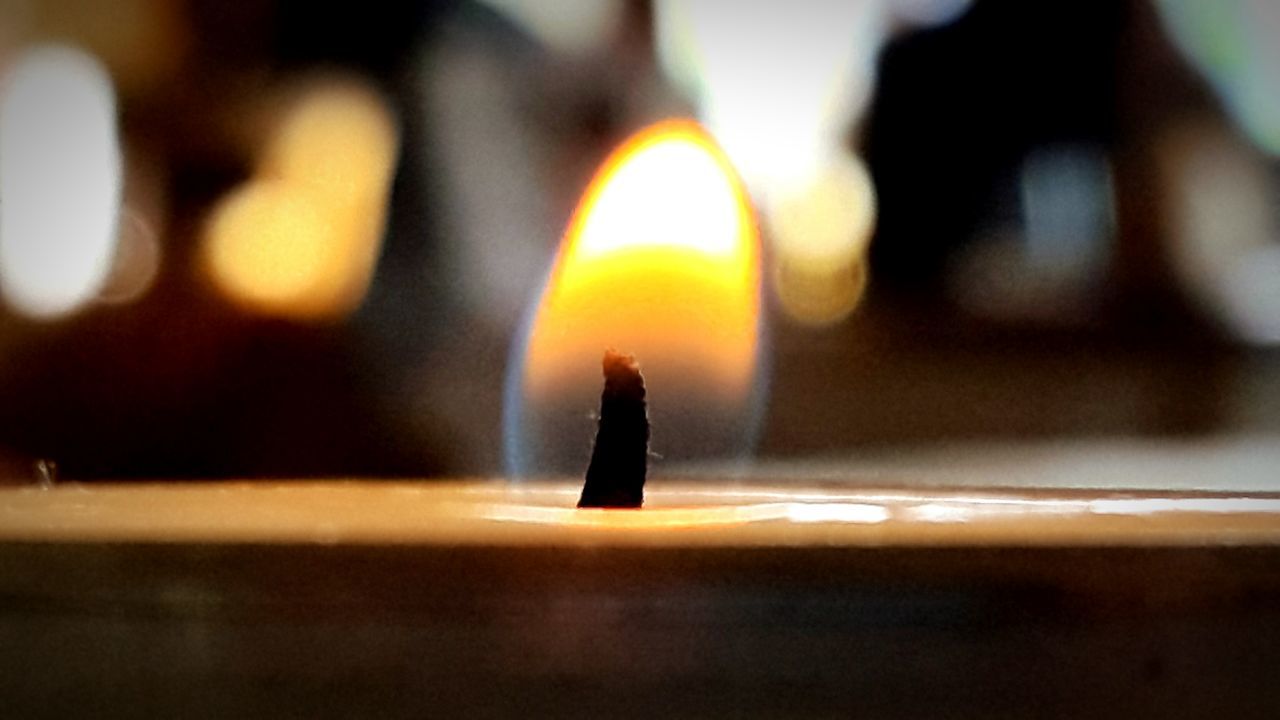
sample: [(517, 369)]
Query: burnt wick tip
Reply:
[(615, 477)]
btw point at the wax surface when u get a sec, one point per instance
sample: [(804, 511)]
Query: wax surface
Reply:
[(676, 514)]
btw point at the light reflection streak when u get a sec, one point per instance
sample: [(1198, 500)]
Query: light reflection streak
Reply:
[(689, 517), (959, 512), (729, 508), (1151, 506), (860, 513)]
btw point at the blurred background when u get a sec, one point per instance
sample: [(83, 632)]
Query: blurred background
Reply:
[(277, 239)]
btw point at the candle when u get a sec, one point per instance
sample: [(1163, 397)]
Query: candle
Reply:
[(482, 597), (677, 514)]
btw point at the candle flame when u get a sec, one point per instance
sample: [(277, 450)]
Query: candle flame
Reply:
[(661, 260)]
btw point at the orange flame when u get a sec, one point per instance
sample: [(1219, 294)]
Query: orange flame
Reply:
[(661, 260)]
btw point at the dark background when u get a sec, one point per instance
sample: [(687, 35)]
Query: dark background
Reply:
[(183, 383)]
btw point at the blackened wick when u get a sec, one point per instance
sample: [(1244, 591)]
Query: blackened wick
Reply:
[(615, 477)]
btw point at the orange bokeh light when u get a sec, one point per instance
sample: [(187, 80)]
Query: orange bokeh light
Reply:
[(301, 238), (661, 260)]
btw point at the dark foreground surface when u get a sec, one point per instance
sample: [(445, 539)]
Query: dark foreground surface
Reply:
[(152, 630)]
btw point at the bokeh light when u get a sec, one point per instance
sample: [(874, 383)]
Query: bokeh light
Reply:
[(568, 26), (1252, 295), (1223, 229), (779, 86), (1044, 262), (271, 246), (60, 180), (776, 84), (136, 263), (820, 235), (301, 238), (1233, 42)]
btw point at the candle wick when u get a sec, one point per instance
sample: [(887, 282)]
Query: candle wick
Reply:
[(615, 477)]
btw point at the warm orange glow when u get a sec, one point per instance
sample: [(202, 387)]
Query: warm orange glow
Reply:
[(661, 260), (271, 247), (301, 238)]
